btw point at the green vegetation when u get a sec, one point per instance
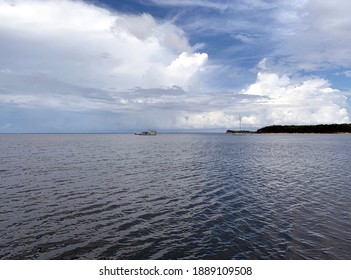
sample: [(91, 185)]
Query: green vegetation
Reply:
[(321, 128)]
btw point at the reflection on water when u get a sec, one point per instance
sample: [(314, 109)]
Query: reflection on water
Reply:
[(175, 197)]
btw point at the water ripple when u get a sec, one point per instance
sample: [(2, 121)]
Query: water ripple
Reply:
[(175, 197)]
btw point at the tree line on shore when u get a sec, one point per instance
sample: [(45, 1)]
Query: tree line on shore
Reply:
[(320, 128)]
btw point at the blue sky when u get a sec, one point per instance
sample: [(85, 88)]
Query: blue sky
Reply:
[(121, 66)]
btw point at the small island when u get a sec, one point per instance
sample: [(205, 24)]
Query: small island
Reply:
[(318, 129)]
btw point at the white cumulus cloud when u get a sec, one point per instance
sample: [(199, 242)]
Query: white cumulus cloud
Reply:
[(84, 44), (288, 101)]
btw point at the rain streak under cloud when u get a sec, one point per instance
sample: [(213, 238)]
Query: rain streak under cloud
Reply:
[(75, 66)]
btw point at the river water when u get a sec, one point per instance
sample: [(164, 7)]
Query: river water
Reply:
[(175, 196)]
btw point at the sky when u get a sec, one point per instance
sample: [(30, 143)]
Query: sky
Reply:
[(181, 65)]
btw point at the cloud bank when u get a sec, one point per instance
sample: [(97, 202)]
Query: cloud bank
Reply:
[(80, 43), (308, 101), (274, 99), (69, 66)]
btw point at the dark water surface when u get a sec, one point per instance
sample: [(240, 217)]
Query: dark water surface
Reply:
[(175, 197)]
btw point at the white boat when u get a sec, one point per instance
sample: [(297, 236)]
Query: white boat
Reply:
[(147, 133)]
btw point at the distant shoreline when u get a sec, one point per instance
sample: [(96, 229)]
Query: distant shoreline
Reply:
[(299, 129)]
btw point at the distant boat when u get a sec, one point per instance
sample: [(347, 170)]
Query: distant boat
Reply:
[(147, 133)]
